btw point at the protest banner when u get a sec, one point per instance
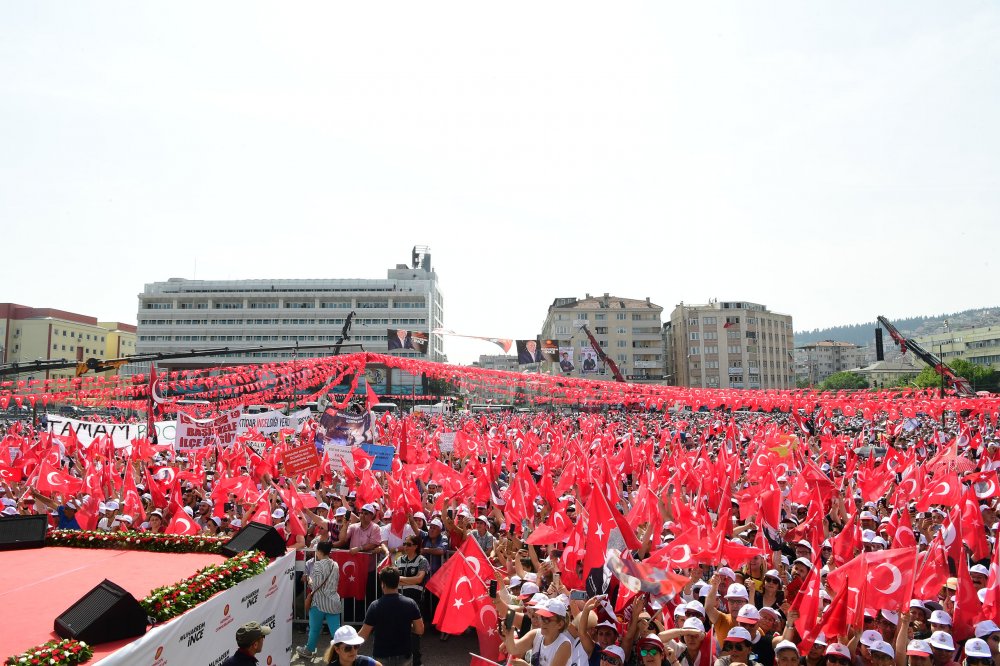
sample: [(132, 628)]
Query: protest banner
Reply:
[(195, 433), (300, 459)]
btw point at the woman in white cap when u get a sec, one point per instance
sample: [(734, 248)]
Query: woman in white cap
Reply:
[(343, 650), (686, 645), (550, 642)]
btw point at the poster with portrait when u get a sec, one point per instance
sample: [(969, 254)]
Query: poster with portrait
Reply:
[(528, 351), (566, 359), (550, 351), (345, 428), (401, 338), (588, 360)]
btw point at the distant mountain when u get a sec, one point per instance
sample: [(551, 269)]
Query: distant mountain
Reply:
[(864, 334)]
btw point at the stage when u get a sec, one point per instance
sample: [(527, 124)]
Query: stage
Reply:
[(37, 585)]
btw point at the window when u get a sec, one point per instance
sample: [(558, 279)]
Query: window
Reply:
[(621, 330), (693, 351), (732, 321), (299, 305), (228, 306), (373, 304), (708, 321), (264, 306), (693, 322), (347, 305), (693, 335), (622, 358), (621, 316), (55, 346), (711, 335), (712, 349), (600, 316), (158, 306), (622, 344)]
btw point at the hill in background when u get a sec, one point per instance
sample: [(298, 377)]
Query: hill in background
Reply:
[(864, 334)]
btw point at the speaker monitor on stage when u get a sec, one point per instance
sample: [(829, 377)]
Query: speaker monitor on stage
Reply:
[(19, 532), (106, 613), (255, 536)]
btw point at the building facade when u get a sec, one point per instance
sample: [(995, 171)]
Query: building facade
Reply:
[(30, 334), (628, 330), (817, 361), (732, 344), (180, 315), (979, 345)]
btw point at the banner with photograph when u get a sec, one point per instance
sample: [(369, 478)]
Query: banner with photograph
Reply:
[(566, 359), (401, 338), (195, 433), (345, 428), (550, 351), (528, 351), (588, 360)]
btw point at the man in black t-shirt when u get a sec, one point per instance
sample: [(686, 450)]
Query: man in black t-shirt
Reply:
[(392, 619)]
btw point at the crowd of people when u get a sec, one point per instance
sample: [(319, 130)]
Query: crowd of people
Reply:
[(690, 539)]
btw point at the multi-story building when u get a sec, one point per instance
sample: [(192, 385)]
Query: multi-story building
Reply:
[(627, 329), (979, 345), (732, 344), (43, 334), (817, 361), (181, 315)]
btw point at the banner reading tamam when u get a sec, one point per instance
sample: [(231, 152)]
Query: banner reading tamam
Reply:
[(121, 434)]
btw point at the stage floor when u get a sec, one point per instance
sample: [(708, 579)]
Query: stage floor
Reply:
[(37, 585)]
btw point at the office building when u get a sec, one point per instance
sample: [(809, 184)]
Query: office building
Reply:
[(628, 331), (30, 334), (979, 345), (732, 344), (179, 314)]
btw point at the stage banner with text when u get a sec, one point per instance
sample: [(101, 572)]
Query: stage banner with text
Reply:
[(195, 433), (206, 634)]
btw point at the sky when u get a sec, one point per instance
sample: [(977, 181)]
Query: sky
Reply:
[(833, 161)]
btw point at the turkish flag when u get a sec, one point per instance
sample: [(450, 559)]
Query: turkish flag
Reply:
[(490, 640), (477, 559), (600, 522), (837, 618), (807, 603), (984, 484), (973, 528), (181, 523), (991, 604), (456, 610), (851, 576), (967, 604), (933, 571), (353, 573), (51, 480), (890, 578), (901, 529), (362, 460), (944, 489)]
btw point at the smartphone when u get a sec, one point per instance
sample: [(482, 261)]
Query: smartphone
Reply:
[(493, 589), (578, 595), (451, 514), (508, 621)]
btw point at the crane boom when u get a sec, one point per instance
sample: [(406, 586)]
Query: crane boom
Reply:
[(601, 355), (960, 384)]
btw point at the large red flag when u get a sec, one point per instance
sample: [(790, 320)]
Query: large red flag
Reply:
[(353, 573), (807, 603), (890, 578), (181, 523), (456, 610), (967, 604), (991, 604), (600, 522)]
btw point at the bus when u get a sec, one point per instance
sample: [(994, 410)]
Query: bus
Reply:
[(383, 407), (490, 408)]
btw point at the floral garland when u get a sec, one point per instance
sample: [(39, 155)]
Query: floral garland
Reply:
[(157, 543), (170, 601), (58, 653)]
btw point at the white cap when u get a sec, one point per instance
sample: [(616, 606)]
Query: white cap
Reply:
[(694, 623), (868, 515), (940, 617), (340, 511), (891, 616), (884, 648), (436, 523), (985, 628), (529, 589), (617, 651), (804, 543), (514, 582), (236, 522), (737, 634), (785, 645), (804, 562), (737, 591), (838, 649), (726, 572), (979, 569), (696, 607), (918, 648), (125, 518), (370, 508), (278, 514), (977, 647), (870, 637), (347, 635), (748, 614), (552, 608), (942, 640), (323, 505)]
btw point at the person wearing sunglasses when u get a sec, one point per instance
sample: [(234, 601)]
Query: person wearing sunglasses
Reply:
[(343, 650), (977, 653), (650, 650), (736, 649), (550, 642), (773, 595)]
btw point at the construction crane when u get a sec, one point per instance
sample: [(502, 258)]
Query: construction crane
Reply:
[(601, 355), (960, 384)]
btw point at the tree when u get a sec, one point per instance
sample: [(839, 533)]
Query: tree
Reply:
[(982, 378), (843, 380)]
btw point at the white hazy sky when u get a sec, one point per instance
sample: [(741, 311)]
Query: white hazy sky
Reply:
[(833, 160)]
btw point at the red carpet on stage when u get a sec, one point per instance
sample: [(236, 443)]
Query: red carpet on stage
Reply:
[(37, 585)]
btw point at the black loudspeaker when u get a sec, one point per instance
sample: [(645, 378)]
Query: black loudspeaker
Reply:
[(879, 351), (106, 613), (255, 536), (17, 532)]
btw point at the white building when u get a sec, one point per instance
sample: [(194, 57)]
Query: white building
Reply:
[(180, 314)]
